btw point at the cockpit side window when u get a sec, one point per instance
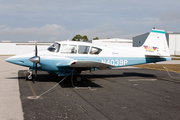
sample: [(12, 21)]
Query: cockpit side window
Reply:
[(83, 49), (54, 47), (95, 50), (69, 49)]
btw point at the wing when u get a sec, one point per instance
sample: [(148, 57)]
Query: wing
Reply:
[(90, 64)]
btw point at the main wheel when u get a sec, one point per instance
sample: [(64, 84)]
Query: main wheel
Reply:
[(78, 78)]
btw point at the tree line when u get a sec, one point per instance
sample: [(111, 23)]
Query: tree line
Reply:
[(78, 37)]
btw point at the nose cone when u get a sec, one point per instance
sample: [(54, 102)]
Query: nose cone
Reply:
[(8, 59), (19, 60), (15, 60), (35, 59), (11, 59)]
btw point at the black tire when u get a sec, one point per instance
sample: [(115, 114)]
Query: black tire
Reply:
[(78, 78)]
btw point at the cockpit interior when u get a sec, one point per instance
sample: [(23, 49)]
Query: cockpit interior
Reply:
[(74, 49)]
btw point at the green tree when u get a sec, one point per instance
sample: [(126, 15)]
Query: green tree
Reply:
[(77, 38), (96, 38), (80, 38), (84, 38)]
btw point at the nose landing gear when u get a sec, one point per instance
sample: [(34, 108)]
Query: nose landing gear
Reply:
[(29, 75)]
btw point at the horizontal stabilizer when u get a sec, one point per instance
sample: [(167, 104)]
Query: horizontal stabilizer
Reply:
[(158, 55)]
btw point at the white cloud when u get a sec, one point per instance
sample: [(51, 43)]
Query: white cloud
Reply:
[(54, 32), (2, 26), (48, 32), (45, 30), (103, 31), (53, 39)]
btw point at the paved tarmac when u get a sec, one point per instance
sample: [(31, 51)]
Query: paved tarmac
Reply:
[(132, 93), (10, 103), (105, 95)]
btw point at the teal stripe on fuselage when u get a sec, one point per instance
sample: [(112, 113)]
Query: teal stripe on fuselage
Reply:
[(121, 61), (156, 31)]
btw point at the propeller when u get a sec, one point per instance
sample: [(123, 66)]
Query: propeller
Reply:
[(35, 59)]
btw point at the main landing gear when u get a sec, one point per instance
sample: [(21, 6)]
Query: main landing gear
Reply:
[(78, 78)]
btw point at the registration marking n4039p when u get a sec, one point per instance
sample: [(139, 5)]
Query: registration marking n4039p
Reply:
[(115, 62)]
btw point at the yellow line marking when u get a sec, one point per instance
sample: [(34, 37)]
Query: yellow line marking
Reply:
[(32, 89)]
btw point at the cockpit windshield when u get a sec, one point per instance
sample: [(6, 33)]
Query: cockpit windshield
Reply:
[(54, 47)]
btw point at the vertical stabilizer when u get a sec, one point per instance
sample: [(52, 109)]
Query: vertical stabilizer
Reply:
[(156, 43)]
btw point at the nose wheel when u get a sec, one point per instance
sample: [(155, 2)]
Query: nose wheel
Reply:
[(29, 75)]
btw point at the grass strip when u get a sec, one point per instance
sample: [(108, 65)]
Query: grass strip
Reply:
[(171, 67)]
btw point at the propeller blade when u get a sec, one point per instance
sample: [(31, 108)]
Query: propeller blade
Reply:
[(35, 69), (35, 60), (36, 50)]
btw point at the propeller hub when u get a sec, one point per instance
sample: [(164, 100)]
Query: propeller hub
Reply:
[(35, 59)]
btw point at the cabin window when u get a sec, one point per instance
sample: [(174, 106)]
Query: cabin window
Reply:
[(95, 50), (54, 47), (83, 49), (69, 49)]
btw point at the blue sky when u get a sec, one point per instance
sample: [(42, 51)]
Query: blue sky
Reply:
[(53, 20)]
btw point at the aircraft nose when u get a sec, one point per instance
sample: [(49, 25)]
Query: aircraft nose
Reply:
[(14, 60), (10, 59), (20, 60)]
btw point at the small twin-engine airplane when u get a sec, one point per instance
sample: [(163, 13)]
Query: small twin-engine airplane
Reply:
[(65, 56)]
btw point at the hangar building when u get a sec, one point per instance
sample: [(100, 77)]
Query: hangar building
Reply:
[(14, 48)]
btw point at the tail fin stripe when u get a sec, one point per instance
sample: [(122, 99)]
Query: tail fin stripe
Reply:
[(156, 31)]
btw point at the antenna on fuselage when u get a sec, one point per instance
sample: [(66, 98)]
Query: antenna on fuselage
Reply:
[(70, 36)]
